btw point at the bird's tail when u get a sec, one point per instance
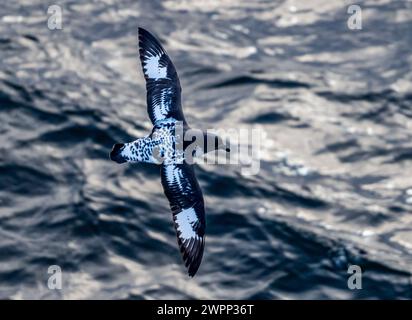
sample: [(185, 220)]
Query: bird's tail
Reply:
[(116, 153)]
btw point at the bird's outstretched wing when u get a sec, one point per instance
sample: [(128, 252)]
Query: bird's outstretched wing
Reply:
[(162, 82), (186, 201)]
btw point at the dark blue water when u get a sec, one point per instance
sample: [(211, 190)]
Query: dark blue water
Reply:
[(335, 182)]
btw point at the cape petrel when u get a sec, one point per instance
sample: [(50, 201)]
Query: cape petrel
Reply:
[(163, 146)]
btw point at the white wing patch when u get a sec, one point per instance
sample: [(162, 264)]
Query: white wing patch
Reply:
[(185, 221), (162, 105), (175, 176), (152, 68)]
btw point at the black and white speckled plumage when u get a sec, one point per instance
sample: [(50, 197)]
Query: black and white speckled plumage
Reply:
[(165, 146), (158, 147)]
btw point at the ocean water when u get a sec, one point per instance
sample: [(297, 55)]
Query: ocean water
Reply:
[(334, 187)]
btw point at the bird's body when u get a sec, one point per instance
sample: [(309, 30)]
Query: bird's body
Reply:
[(171, 144)]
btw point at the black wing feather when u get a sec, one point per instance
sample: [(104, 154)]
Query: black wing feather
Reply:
[(186, 201), (162, 82)]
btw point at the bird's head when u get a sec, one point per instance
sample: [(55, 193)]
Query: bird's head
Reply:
[(220, 144), (214, 142)]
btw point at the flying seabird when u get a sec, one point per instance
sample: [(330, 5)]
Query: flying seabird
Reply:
[(168, 146)]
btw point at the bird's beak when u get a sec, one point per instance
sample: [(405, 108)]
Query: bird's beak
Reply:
[(224, 147)]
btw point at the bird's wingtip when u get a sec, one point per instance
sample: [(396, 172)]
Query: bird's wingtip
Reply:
[(193, 267), (191, 273), (142, 31)]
